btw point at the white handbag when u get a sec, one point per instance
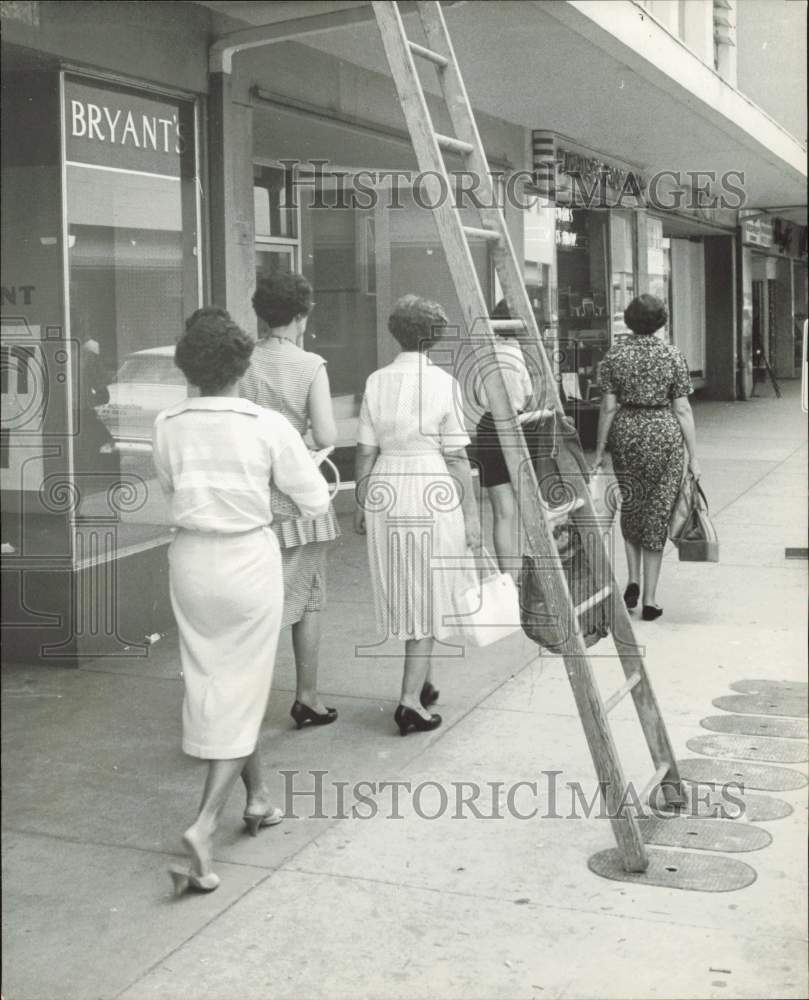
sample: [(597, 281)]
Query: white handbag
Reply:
[(489, 610)]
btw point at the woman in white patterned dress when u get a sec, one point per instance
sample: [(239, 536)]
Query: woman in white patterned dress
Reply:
[(415, 501)]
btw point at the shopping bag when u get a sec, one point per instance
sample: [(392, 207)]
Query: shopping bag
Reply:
[(489, 610), (683, 504), (604, 497), (696, 537)]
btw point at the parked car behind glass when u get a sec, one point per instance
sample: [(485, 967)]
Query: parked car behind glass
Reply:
[(147, 382)]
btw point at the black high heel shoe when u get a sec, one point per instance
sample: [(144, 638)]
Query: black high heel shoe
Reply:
[(429, 695), (631, 595), (650, 612), (302, 715), (407, 719)]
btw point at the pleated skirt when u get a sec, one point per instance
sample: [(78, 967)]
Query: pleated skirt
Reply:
[(414, 522), (227, 593)]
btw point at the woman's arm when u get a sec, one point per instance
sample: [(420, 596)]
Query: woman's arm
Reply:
[(458, 467), (292, 469), (606, 414), (685, 418), (363, 466), (321, 415)]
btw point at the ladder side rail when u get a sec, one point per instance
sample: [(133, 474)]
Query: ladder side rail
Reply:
[(505, 259), (539, 536), (646, 704)]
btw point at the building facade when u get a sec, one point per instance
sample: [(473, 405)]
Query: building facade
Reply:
[(158, 155)]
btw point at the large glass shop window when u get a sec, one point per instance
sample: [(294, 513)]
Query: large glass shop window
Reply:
[(584, 319), (133, 277)]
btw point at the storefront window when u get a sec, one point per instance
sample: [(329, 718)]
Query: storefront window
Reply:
[(584, 321), (622, 257), (35, 440), (658, 267), (131, 198)]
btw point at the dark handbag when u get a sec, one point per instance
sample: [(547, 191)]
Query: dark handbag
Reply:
[(694, 535), (578, 561)]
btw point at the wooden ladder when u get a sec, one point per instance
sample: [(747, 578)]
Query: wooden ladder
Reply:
[(538, 519)]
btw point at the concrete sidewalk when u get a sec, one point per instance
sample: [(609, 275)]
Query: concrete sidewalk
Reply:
[(96, 793)]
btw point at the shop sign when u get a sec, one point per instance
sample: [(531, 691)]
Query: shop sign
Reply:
[(596, 180), (112, 128), (757, 232)]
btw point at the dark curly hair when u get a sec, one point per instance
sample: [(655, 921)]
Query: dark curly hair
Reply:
[(645, 315), (213, 351), (280, 297), (206, 311), (415, 322)]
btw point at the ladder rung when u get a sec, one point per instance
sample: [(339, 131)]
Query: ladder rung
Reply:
[(591, 602), (456, 145), (562, 512), (485, 234), (656, 778), (429, 55), (507, 324), (622, 692)]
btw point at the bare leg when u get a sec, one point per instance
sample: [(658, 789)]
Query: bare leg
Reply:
[(306, 646), (416, 665), (633, 558), (258, 794), (652, 563), (504, 510), (198, 838)]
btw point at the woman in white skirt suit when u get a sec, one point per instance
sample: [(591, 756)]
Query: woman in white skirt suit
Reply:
[(415, 501), (215, 457)]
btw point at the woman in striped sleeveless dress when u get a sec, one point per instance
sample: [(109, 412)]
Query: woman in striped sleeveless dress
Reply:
[(285, 378)]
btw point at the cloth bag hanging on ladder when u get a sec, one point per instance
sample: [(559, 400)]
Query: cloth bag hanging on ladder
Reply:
[(489, 610), (691, 528)]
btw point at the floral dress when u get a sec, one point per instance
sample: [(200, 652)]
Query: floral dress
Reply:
[(645, 375)]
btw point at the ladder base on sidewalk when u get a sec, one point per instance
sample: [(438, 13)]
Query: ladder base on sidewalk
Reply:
[(677, 870)]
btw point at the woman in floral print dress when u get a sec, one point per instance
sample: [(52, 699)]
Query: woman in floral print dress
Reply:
[(645, 418)]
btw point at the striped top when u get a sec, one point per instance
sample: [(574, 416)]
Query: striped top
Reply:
[(280, 378), (216, 456)]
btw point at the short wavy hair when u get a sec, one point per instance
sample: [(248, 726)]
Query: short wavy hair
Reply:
[(415, 322), (645, 315), (280, 297), (213, 351), (206, 311)]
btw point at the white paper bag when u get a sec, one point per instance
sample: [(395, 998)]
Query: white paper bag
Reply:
[(489, 610)]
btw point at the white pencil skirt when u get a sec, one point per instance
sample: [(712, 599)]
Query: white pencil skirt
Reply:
[(227, 592)]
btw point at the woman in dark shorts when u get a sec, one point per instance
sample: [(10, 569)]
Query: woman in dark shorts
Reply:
[(488, 453), (646, 418)]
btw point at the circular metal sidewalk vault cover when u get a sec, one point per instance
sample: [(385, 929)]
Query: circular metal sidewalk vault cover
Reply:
[(678, 870), (730, 803), (750, 748), (704, 834), (756, 725), (797, 689), (723, 772), (762, 704)]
